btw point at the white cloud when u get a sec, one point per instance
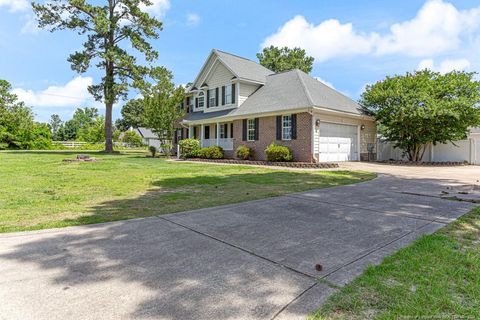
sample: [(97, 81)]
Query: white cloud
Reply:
[(15, 5), (325, 82), (193, 19), (73, 93), (445, 66), (30, 26), (327, 40), (437, 28), (158, 7)]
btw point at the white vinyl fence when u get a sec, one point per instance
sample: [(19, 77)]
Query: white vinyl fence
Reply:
[(464, 150)]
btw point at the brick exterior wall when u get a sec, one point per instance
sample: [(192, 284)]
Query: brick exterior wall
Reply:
[(301, 147)]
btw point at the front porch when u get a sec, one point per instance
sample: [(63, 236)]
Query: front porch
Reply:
[(213, 134)]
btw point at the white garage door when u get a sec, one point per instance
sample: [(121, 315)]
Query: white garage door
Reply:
[(338, 142)]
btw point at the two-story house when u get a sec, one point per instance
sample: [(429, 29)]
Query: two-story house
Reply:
[(235, 101)]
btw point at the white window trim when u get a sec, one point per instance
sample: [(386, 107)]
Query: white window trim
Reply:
[(212, 97), (251, 129), (201, 95), (223, 134), (227, 88), (285, 127)]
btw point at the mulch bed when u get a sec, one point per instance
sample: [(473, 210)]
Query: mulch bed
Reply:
[(422, 163), (303, 165)]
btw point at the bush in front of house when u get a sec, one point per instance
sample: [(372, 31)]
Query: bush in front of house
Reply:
[(278, 153), (213, 152), (152, 150), (189, 148), (244, 152)]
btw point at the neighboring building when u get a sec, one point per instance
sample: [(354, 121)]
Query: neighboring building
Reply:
[(467, 150), (235, 101), (148, 137)]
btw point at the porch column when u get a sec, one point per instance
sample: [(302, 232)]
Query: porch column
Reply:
[(190, 132), (218, 133), (202, 134)]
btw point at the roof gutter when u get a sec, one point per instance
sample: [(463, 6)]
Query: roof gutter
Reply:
[(247, 116), (344, 113)]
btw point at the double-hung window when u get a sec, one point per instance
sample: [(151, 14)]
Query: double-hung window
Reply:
[(223, 131), (212, 98), (287, 127), (251, 129), (201, 100), (228, 95)]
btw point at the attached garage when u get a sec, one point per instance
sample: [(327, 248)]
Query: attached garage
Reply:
[(337, 142)]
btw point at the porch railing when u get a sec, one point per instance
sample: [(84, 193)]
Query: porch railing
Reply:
[(226, 144)]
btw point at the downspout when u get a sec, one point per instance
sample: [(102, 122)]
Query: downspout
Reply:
[(312, 140)]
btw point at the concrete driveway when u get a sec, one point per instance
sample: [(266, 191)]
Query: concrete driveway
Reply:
[(254, 260)]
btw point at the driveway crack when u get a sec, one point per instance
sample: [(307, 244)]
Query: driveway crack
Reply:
[(361, 208), (239, 248)]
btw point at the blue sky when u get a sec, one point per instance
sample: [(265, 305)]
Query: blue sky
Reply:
[(354, 42)]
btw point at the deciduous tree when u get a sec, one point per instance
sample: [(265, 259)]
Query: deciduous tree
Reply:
[(424, 107), (16, 119), (162, 108)]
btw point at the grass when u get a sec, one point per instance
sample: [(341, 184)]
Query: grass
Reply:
[(40, 191), (437, 277)]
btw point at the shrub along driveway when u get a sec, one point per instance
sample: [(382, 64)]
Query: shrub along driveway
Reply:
[(254, 260)]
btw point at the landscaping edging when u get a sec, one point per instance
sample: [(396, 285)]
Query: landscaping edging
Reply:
[(421, 163), (302, 165)]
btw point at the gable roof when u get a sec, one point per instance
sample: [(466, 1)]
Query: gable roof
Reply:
[(294, 90), (241, 68), (146, 133)]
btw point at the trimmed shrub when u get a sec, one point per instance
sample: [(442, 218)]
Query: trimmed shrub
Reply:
[(152, 150), (213, 152), (189, 148), (278, 153), (244, 152)]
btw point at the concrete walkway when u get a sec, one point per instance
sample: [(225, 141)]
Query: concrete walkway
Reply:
[(254, 260)]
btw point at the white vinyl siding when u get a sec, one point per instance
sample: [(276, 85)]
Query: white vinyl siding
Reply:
[(219, 76), (245, 91)]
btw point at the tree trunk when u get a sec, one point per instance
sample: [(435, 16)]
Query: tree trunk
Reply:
[(108, 127), (109, 82)]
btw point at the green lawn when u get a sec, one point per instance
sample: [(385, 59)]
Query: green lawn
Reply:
[(40, 191), (437, 277)]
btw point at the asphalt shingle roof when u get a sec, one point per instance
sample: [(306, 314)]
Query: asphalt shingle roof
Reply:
[(146, 133), (280, 92), (244, 68), (294, 90)]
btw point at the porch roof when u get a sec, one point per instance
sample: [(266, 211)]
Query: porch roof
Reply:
[(215, 115)]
